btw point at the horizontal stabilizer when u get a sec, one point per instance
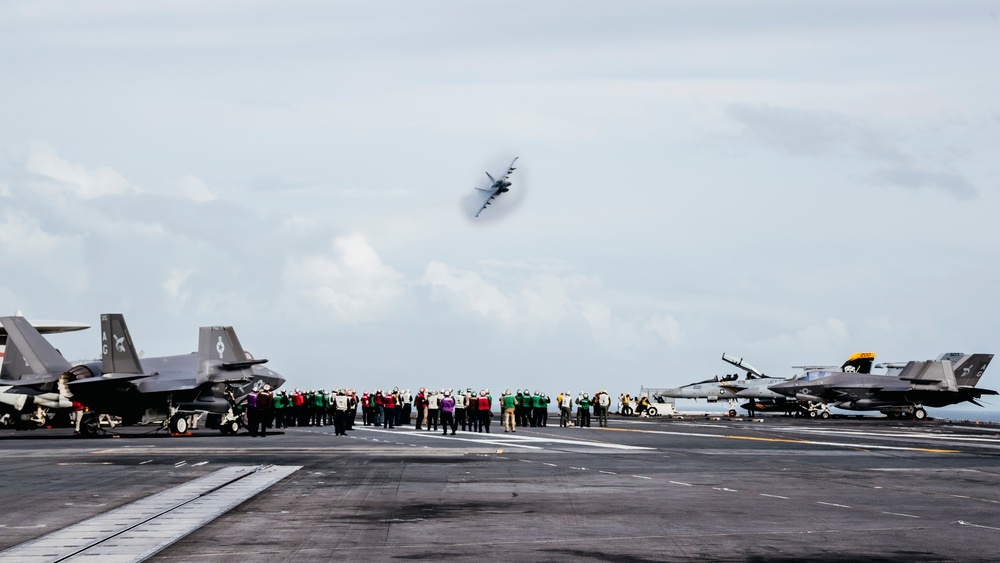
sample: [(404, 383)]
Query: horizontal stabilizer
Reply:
[(242, 365)]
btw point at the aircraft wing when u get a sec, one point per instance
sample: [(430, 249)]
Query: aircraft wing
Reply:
[(511, 169), (489, 200), (107, 379)]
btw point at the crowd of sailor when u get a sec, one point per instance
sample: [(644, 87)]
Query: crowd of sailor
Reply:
[(444, 410)]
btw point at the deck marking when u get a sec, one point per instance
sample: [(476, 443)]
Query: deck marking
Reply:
[(138, 530), (833, 504), (900, 514)]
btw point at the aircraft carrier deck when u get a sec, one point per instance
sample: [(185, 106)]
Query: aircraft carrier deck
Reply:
[(776, 489)]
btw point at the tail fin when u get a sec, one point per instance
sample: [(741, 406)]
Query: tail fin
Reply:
[(118, 354), (859, 362), (969, 369), (220, 349), (29, 357)]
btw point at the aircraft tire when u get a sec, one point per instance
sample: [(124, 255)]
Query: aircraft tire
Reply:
[(732, 412), (812, 414), (233, 426), (178, 424), (824, 415), (90, 425), (919, 413), (651, 411)]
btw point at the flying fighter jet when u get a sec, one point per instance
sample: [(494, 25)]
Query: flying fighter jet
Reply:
[(499, 186), (165, 389), (948, 380), (755, 386)]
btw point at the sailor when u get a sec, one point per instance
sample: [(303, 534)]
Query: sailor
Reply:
[(508, 403), (626, 405), (522, 414), (280, 401), (379, 404), (341, 404), (447, 406), (583, 410), (485, 404), (389, 410), (352, 402), (264, 402), (407, 410), (472, 410), (459, 408), (565, 408), (432, 409), (603, 402), (251, 410), (420, 403), (319, 400)]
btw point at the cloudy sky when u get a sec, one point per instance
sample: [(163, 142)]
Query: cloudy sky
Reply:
[(784, 181)]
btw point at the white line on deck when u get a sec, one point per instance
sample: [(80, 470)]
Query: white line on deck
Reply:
[(900, 514), (608, 472), (679, 483), (641, 477), (833, 504), (773, 496)]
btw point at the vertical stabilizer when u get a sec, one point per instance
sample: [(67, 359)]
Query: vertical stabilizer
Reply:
[(859, 362), (219, 343), (28, 355), (970, 369), (219, 349), (118, 353)]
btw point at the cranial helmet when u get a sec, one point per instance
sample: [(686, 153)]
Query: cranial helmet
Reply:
[(537, 392)]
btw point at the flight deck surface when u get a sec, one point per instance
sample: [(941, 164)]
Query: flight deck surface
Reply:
[(781, 489)]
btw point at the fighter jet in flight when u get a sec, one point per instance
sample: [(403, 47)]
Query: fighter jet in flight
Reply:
[(166, 389), (498, 186), (948, 380), (754, 387)]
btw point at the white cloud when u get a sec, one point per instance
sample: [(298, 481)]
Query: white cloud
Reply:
[(545, 301), (815, 339), (354, 282), (194, 189), (176, 279), (80, 181), (21, 235)]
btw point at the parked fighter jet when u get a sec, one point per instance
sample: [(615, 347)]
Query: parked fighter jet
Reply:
[(499, 185), (949, 380), (44, 327), (755, 386), (29, 374), (165, 389)]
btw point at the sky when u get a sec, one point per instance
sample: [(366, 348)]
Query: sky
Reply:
[(781, 181)]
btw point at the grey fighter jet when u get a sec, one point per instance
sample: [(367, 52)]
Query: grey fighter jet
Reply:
[(29, 375), (948, 380), (754, 387), (498, 186), (165, 389)]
